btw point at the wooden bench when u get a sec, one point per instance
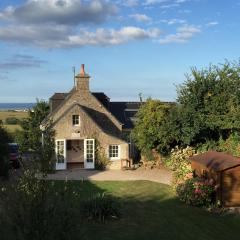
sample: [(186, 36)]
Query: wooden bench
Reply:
[(127, 165)]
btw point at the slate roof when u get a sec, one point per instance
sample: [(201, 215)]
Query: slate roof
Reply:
[(125, 112), (58, 96), (62, 96), (217, 161), (102, 120)]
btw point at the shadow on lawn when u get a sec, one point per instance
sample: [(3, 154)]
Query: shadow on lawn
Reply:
[(149, 211), (43, 210)]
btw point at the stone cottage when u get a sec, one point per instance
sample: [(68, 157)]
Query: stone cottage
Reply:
[(83, 120)]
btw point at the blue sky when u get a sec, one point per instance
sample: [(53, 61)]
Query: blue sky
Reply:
[(127, 46)]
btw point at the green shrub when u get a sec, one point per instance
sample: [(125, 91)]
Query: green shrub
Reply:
[(208, 145), (100, 208), (196, 192), (35, 209), (4, 152), (4, 167), (180, 164), (12, 121), (230, 145)]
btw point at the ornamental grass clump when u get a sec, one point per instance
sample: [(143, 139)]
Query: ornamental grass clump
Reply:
[(101, 207), (197, 192)]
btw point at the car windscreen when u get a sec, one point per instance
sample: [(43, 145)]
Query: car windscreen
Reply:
[(13, 149)]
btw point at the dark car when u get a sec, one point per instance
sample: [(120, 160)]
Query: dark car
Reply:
[(14, 155)]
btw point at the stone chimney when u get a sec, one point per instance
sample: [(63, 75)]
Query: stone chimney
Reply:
[(82, 80)]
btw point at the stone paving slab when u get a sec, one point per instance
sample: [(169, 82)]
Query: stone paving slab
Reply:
[(162, 175)]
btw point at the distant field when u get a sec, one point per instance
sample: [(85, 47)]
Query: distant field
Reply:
[(12, 114), (8, 114)]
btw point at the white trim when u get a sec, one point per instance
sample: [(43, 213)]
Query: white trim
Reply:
[(119, 152), (89, 165), (79, 119), (61, 166)]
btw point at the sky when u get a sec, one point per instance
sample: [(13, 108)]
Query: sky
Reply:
[(128, 46)]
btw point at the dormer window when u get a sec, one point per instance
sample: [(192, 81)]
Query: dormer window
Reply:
[(75, 120)]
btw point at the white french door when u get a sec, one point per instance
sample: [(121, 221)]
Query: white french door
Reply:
[(89, 153), (61, 154)]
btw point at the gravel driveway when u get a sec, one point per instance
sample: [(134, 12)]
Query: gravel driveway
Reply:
[(162, 175)]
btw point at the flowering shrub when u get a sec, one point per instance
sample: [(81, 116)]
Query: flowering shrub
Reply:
[(196, 192), (180, 164)]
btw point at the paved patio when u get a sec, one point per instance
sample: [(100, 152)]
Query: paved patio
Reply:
[(162, 175)]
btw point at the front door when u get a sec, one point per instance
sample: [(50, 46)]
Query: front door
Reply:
[(61, 154), (89, 153)]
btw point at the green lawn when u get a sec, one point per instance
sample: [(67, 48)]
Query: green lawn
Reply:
[(151, 211), (12, 128), (12, 114)]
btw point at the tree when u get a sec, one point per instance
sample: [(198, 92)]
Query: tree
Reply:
[(148, 131), (32, 134), (209, 103), (4, 152), (207, 111), (32, 137)]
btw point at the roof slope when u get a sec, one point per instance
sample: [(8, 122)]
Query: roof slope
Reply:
[(59, 96), (102, 120), (217, 161), (125, 112)]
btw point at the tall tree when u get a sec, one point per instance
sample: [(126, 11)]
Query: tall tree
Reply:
[(4, 152), (148, 131), (210, 103), (32, 137)]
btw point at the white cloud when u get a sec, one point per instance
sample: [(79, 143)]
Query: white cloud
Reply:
[(152, 2), (67, 23), (21, 61), (141, 17), (130, 3), (211, 24), (174, 21), (167, 6), (182, 35), (180, 1), (61, 37), (105, 37), (59, 12), (168, 3)]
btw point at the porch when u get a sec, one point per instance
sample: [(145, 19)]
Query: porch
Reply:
[(75, 153)]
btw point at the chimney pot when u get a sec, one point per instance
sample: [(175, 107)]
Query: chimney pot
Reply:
[(82, 71)]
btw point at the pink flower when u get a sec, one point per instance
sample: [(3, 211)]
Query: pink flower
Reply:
[(198, 191)]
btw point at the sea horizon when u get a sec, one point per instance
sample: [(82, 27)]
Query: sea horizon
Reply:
[(16, 106)]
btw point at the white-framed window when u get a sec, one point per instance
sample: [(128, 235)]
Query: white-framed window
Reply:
[(114, 151), (75, 120)]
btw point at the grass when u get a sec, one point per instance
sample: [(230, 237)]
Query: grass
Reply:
[(151, 211), (12, 114), (12, 128)]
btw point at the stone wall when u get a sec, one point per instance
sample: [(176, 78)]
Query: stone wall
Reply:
[(88, 129), (79, 98)]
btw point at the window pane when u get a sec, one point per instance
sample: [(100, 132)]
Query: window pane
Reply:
[(75, 119), (60, 152), (114, 151)]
